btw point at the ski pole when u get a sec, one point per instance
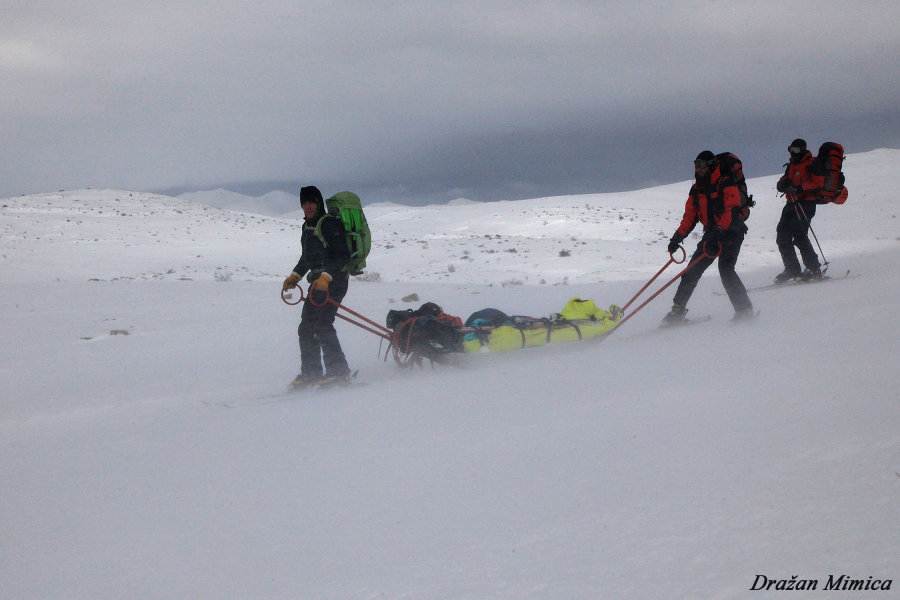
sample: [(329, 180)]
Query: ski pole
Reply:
[(799, 210)]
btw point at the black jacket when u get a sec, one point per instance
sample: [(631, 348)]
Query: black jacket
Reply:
[(316, 257)]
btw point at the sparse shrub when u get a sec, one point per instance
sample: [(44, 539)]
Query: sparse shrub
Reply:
[(371, 276)]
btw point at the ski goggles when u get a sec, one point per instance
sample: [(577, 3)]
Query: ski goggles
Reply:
[(796, 149), (702, 163)]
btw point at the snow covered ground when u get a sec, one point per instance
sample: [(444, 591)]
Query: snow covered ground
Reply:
[(147, 450)]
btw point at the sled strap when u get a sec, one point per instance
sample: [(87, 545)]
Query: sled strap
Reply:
[(577, 330), (521, 329), (560, 324)]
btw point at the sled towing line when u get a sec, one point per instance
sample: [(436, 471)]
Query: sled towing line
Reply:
[(706, 254), (405, 354), (386, 335), (429, 333)]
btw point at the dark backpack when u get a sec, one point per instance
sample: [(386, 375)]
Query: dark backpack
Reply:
[(487, 317), (395, 318), (731, 170), (428, 330), (347, 207), (826, 169)]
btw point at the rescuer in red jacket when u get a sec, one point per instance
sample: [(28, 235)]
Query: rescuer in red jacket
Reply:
[(793, 229), (714, 201)]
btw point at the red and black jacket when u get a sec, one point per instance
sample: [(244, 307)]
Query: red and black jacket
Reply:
[(713, 201), (797, 175)]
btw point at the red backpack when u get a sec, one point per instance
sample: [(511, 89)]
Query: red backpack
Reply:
[(825, 171), (731, 170)]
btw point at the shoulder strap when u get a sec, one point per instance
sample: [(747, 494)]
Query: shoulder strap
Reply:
[(319, 228)]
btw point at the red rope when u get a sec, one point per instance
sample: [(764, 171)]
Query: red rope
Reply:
[(671, 281)]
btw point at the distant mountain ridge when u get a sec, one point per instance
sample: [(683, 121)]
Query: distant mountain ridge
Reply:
[(273, 204), (115, 234)]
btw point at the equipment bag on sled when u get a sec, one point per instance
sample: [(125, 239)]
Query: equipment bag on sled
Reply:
[(578, 320), (429, 331)]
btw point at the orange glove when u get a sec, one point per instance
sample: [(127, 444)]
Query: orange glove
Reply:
[(290, 281), (321, 284)]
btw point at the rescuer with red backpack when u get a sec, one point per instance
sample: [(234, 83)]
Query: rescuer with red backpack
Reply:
[(806, 182), (799, 209), (715, 202)]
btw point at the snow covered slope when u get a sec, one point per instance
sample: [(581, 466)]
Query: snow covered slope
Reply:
[(147, 449), (601, 237)]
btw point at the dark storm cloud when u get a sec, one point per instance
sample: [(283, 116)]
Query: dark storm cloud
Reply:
[(488, 99)]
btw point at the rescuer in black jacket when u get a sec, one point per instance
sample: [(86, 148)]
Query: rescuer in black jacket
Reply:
[(323, 260)]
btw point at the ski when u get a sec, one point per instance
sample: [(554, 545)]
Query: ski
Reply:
[(326, 383), (795, 282), (685, 322), (295, 390), (744, 319)]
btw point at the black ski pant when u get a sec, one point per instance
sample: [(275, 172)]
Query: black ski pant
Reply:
[(318, 339), (734, 287), (793, 230)]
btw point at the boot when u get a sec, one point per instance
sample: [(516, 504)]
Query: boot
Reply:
[(811, 273), (336, 380), (744, 314), (302, 381), (675, 316), (787, 275)]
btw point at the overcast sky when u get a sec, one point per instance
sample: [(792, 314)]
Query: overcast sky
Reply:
[(434, 99)]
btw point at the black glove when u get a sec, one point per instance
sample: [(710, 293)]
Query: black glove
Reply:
[(677, 238), (786, 187)]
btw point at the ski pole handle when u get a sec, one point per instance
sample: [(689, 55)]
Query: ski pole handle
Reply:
[(683, 255)]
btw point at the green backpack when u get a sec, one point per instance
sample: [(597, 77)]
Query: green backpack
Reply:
[(347, 207)]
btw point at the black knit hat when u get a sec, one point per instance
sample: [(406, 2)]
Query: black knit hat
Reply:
[(311, 193), (705, 160), (799, 143)]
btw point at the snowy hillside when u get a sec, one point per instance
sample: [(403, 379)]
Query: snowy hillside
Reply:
[(567, 239), (147, 448), (275, 203)]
